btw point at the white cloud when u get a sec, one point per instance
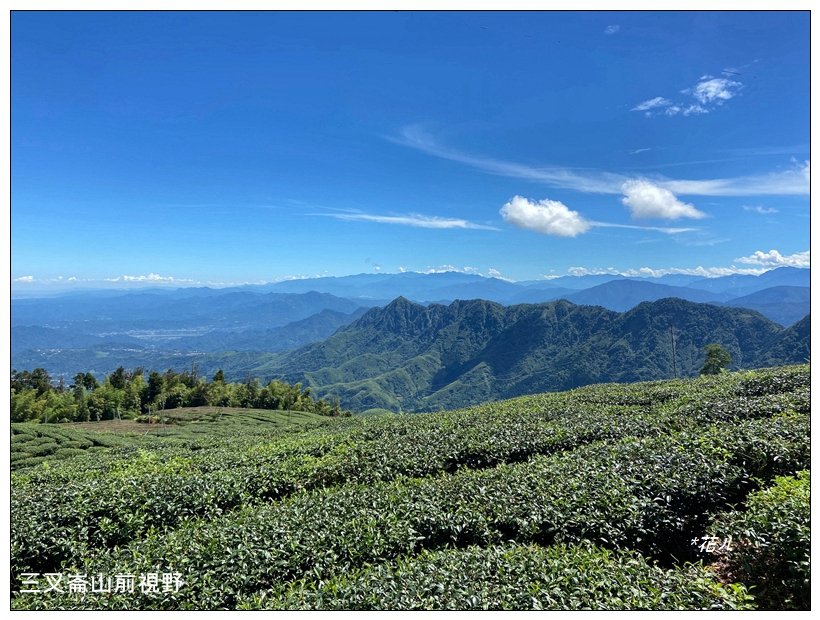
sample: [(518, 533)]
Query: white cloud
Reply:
[(760, 210), (551, 217), (650, 104), (715, 90), (151, 277), (773, 258), (650, 272), (584, 271), (449, 268), (125, 281), (612, 29), (415, 220), (762, 261), (492, 272), (548, 217), (648, 200), (789, 182), (804, 168), (709, 91), (694, 109)]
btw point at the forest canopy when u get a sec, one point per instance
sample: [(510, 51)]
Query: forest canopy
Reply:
[(132, 394)]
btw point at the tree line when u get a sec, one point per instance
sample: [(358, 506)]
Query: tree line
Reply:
[(132, 394)]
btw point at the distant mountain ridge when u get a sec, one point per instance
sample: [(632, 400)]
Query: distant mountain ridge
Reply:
[(273, 305), (782, 304), (621, 295)]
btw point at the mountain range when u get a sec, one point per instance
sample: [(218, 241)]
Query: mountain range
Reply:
[(410, 357), (345, 337), (451, 285)]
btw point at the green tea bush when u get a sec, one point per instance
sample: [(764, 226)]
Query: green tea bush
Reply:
[(649, 494), (64, 453), (29, 461), (771, 544), (41, 447), (137, 499), (513, 578), (772, 381)]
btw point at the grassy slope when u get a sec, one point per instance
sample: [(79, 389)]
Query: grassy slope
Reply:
[(33, 443)]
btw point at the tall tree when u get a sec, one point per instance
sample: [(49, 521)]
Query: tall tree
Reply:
[(717, 360), (118, 378)]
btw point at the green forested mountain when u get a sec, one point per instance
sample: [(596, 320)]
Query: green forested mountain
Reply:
[(410, 357), (792, 344)]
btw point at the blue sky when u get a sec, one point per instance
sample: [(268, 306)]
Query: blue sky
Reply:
[(182, 147)]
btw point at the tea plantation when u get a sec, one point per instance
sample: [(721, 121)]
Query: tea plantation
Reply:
[(686, 494)]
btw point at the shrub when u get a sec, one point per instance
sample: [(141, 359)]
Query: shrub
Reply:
[(513, 578), (771, 544)]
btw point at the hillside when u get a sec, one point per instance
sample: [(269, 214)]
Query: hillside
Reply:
[(622, 295), (410, 357), (782, 304), (582, 499)]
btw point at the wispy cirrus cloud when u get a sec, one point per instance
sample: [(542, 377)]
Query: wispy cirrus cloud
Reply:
[(580, 179), (612, 29), (661, 229), (651, 104), (792, 181), (708, 93), (760, 210), (413, 219)]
